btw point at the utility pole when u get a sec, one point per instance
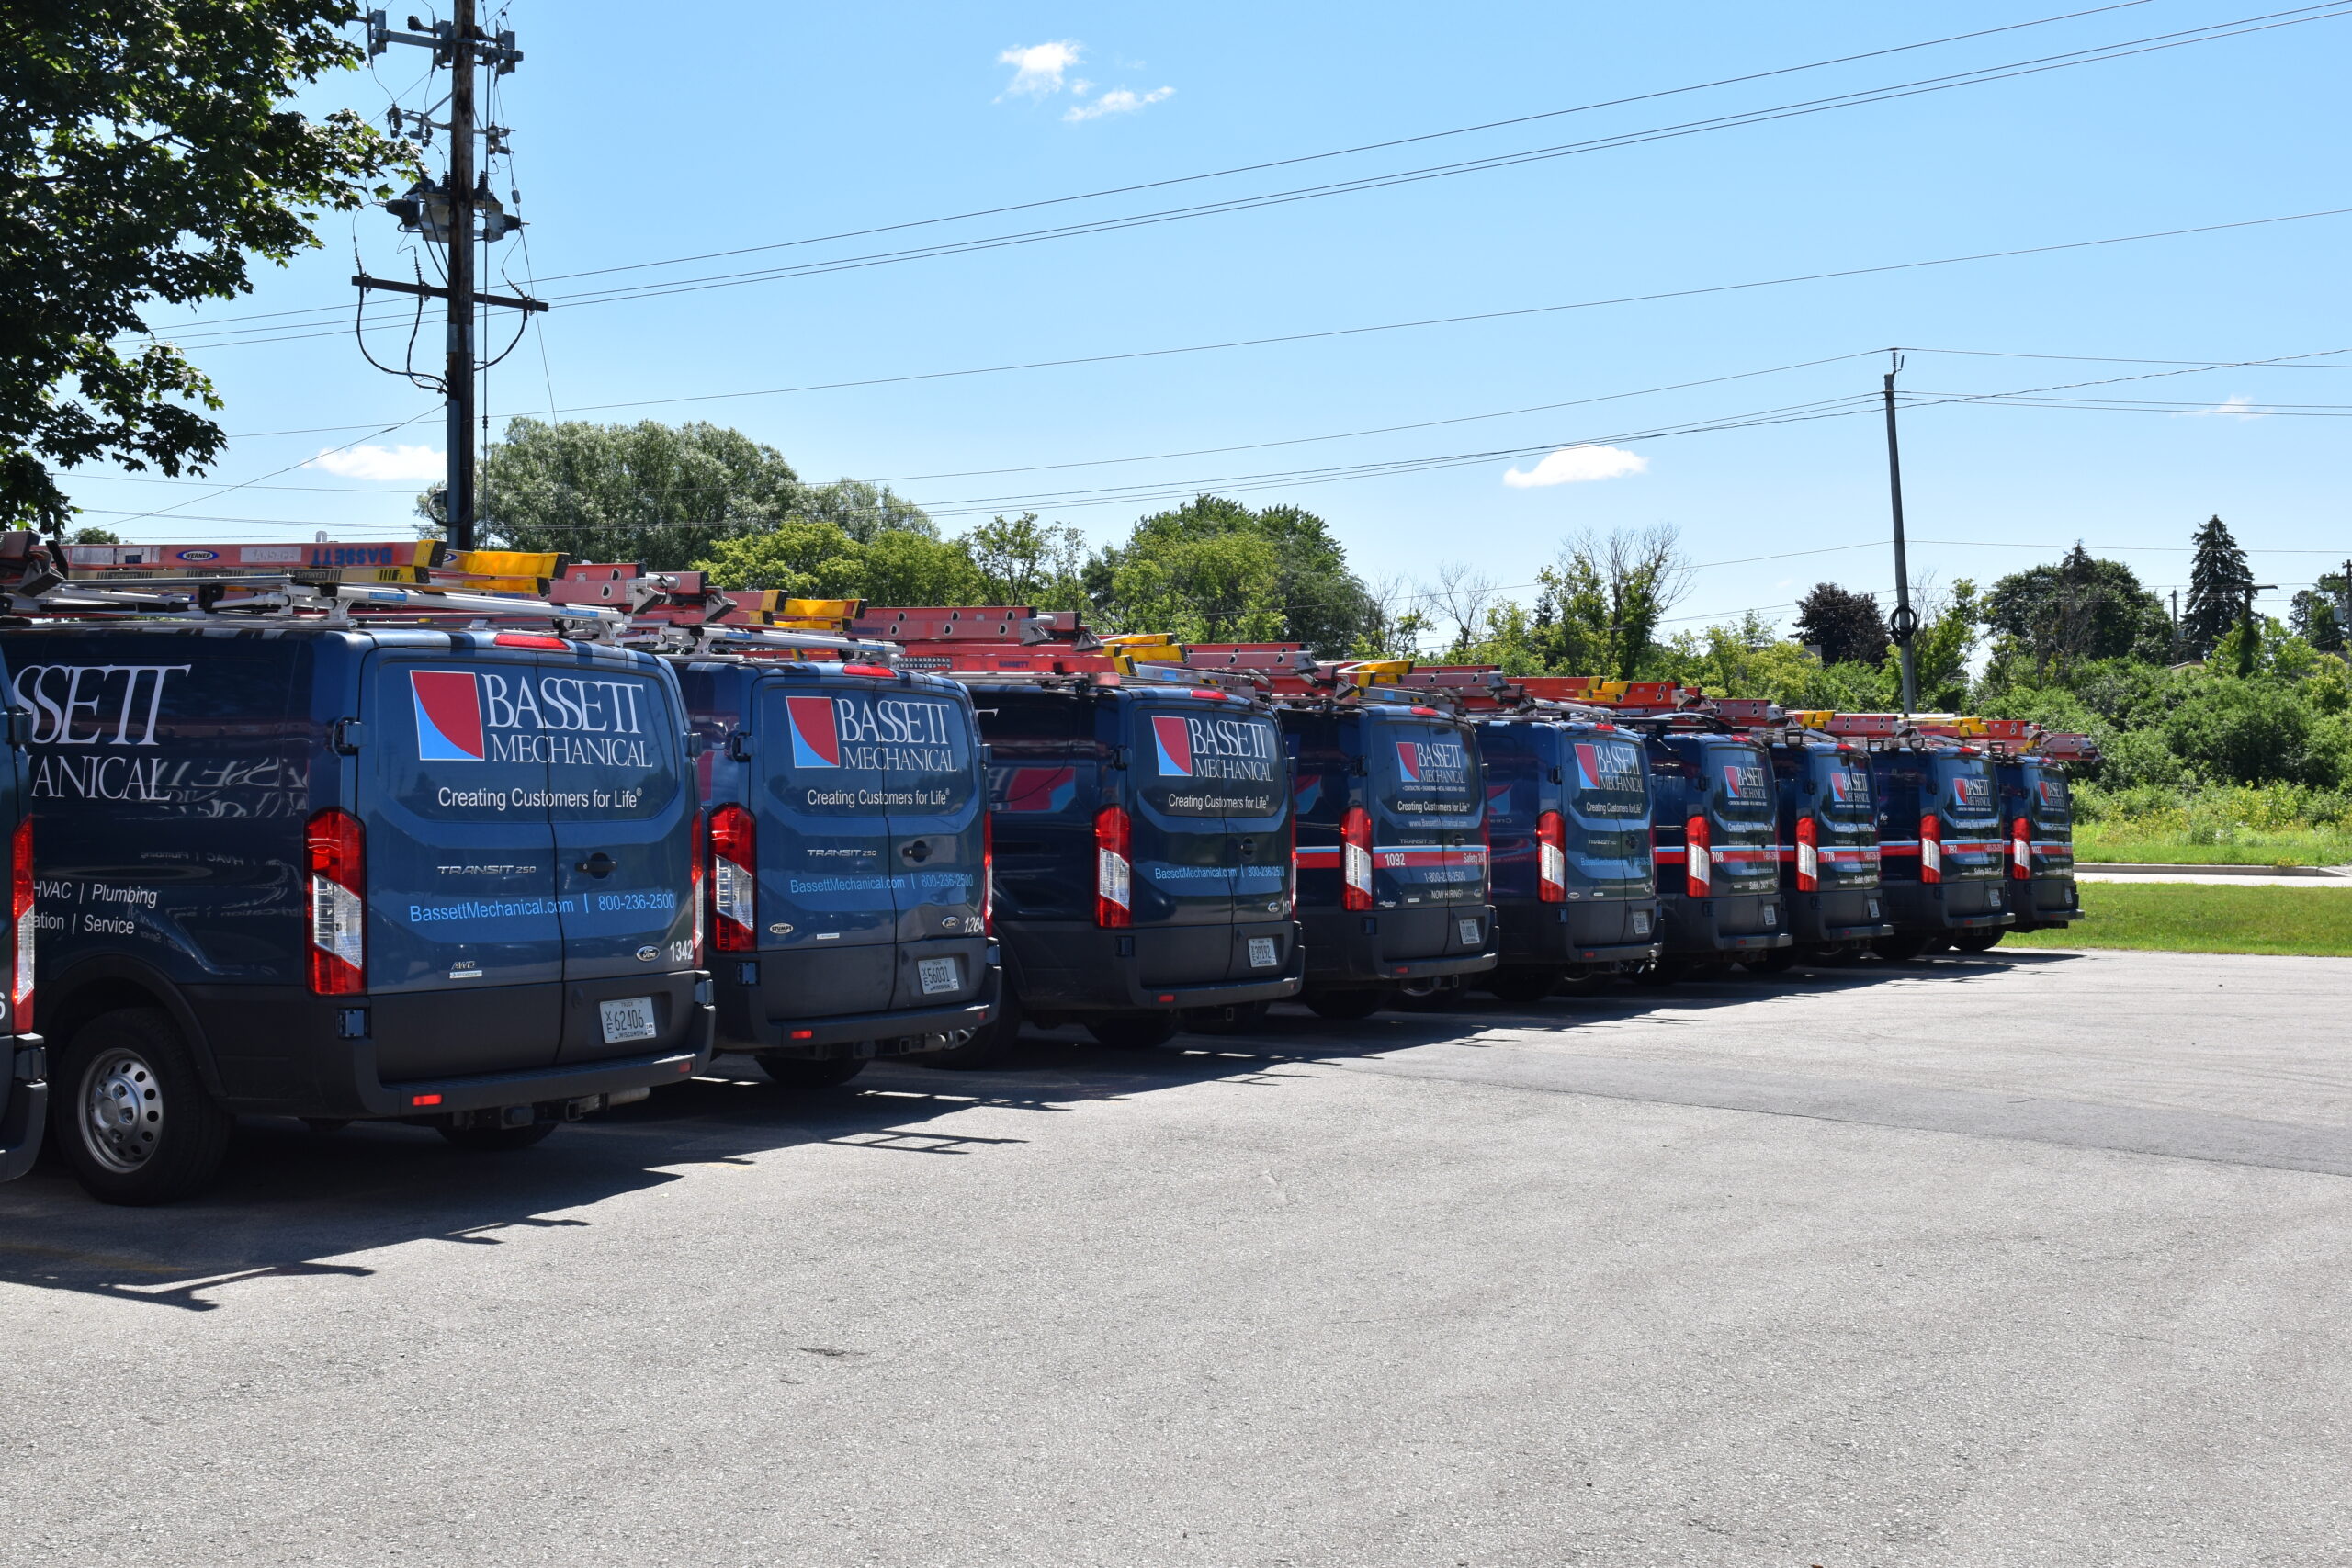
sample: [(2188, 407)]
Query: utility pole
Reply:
[(2175, 625), (461, 213), (1904, 622)]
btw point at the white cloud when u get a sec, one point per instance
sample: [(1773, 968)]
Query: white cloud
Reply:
[(2241, 406), (405, 463), (1575, 464), (1118, 100), (1037, 68)]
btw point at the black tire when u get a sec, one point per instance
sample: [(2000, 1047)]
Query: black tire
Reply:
[(1836, 954), (1776, 961), (1133, 1032), (800, 1072), (1238, 1019), (497, 1140), (132, 1117), (1520, 987), (1982, 941), (1904, 947), (1344, 1007), (988, 1046)]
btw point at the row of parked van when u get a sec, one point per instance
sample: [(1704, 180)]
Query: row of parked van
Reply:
[(486, 864)]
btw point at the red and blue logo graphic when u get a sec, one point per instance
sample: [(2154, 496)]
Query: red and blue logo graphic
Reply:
[(448, 716), (1309, 791), (815, 741), (2052, 792), (1846, 788), (1174, 741), (1036, 789), (1408, 758)]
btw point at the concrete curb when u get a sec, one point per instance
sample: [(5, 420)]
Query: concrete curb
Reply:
[(2124, 868)]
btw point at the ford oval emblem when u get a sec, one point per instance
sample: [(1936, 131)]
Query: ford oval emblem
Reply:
[(647, 954), (199, 555)]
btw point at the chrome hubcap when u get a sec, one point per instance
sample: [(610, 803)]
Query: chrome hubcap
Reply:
[(122, 1110)]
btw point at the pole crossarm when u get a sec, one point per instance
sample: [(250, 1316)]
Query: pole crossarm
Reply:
[(511, 302)]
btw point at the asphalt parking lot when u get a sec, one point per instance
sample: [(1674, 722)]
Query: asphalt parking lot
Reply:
[(2039, 1259)]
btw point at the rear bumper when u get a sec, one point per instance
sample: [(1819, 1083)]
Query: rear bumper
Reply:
[(1540, 935), (1068, 966), (900, 1033), (24, 1102), (1730, 923), (1959, 905), (280, 1051), (2043, 903), (1841, 914), (1344, 951)]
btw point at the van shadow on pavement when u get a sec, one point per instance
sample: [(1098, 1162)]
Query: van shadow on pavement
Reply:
[(292, 1201)]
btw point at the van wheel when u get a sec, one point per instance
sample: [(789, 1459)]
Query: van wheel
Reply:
[(135, 1122), (1775, 961), (1344, 1007), (1520, 987), (1135, 1031), (988, 1046), (1982, 941), (1239, 1019), (1901, 948), (799, 1072), (497, 1140)]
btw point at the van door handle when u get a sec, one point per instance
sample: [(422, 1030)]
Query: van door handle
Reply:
[(599, 865), (918, 851)]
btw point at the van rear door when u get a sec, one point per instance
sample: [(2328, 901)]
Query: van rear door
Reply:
[(918, 752), (465, 946), (1210, 824), (1429, 848), (613, 737), (1609, 804)]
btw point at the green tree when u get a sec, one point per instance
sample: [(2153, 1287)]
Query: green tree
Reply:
[(2219, 587), (1025, 562), (1225, 587), (2317, 614), (1608, 596), (865, 512), (2080, 608), (1315, 598), (2254, 732), (1947, 637), (820, 560), (147, 155), (662, 494), (1847, 627)]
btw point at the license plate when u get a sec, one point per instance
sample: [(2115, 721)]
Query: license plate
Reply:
[(939, 975), (1771, 915), (1469, 930), (629, 1019), (1641, 922), (1262, 953), (1874, 909)]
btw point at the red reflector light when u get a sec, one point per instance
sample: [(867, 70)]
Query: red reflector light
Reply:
[(882, 672), (531, 639), (425, 1100), (1167, 999), (803, 1034)]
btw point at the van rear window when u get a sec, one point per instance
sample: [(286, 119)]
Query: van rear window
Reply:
[(1611, 778), (1427, 770), (1202, 762), (860, 751), (1845, 789)]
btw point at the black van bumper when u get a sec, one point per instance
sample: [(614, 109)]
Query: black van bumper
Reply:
[(1838, 914), (321, 1060), (2043, 903), (1068, 966), (1726, 923), (24, 1102), (902, 1033), (1539, 935), (1956, 906), (1345, 952)]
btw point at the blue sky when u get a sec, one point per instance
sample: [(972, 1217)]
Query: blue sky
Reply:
[(733, 124)]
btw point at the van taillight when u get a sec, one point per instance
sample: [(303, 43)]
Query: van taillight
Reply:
[(1552, 858), (20, 911), (1355, 858), (1698, 864), (2021, 849), (734, 870), (1931, 848), (987, 874), (337, 846), (1113, 874), (1808, 855), (694, 881), (1290, 863)]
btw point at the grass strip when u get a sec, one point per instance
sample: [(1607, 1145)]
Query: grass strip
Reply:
[(2179, 916)]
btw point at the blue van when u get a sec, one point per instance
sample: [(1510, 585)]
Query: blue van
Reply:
[(24, 1063), (1390, 800), (1568, 828), (1940, 846), (2040, 889), (1715, 818), (1828, 849), (345, 871), (1141, 846), (848, 866)]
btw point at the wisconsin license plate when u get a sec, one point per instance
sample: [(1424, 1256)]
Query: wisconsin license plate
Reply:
[(629, 1019), (938, 974), (1469, 930), (1262, 953)]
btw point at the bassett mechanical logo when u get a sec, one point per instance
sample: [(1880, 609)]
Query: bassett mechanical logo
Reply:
[(1433, 761), (448, 716), (1848, 788), (1976, 795), (1173, 744), (1607, 767), (815, 742), (1743, 781), (1187, 747)]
